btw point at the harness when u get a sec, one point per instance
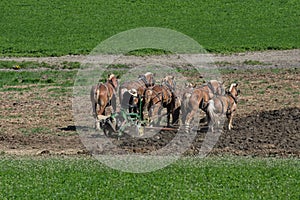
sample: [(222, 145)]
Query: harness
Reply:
[(158, 95), (143, 78), (235, 100), (171, 89), (209, 85), (228, 112), (170, 94), (169, 86)]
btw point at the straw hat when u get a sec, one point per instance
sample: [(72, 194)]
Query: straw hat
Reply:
[(133, 92)]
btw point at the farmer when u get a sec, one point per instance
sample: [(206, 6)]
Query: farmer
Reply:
[(130, 101)]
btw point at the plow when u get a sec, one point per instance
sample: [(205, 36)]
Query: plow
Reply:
[(124, 122)]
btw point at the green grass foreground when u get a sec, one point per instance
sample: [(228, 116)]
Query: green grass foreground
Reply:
[(189, 178), (53, 28)]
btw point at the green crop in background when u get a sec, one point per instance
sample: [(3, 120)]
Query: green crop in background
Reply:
[(53, 28)]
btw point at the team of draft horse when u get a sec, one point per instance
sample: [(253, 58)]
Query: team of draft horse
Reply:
[(147, 98)]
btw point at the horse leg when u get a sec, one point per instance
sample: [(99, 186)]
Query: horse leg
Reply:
[(101, 100), (145, 111), (97, 124), (210, 123), (175, 116), (93, 96), (158, 110), (190, 116), (175, 111), (99, 111), (230, 126), (146, 108), (169, 109), (114, 103)]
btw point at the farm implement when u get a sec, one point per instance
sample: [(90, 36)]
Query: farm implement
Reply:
[(128, 123)]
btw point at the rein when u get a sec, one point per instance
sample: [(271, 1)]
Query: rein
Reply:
[(161, 94)]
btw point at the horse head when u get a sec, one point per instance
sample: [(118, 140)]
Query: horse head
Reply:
[(189, 85), (113, 80), (147, 78), (169, 81), (233, 90)]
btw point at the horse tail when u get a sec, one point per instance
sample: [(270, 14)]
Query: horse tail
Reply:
[(185, 105), (211, 111), (93, 94), (93, 99)]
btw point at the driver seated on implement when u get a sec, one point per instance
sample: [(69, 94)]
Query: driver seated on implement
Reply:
[(130, 101)]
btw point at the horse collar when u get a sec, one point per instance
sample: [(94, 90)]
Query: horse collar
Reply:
[(143, 78)]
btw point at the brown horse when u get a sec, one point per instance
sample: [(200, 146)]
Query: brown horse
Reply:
[(103, 95), (159, 97), (198, 97), (220, 106), (144, 81)]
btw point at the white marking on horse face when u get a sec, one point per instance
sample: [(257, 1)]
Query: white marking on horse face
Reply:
[(231, 86), (111, 76)]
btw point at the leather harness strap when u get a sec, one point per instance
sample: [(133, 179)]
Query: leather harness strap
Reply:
[(143, 78), (229, 104), (209, 85), (235, 100)]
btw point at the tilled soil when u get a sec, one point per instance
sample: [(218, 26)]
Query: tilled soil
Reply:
[(267, 133)]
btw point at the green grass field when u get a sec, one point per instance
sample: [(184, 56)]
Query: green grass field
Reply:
[(46, 78), (53, 28), (210, 178)]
